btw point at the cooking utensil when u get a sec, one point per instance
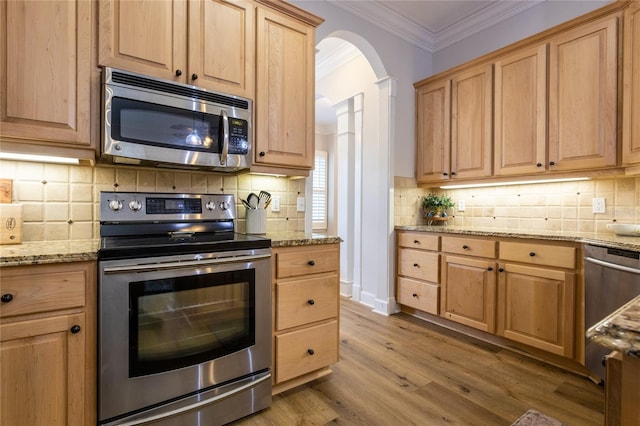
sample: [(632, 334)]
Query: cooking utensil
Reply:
[(245, 203), (253, 200), (263, 199)]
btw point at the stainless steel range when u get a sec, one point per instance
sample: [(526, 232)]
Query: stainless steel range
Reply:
[(184, 312)]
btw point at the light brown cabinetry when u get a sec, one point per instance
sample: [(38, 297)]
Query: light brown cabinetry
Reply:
[(208, 43), (631, 86), (583, 96), (433, 131), (47, 338), (418, 271), (305, 313), (622, 396), (520, 120), (285, 87), (469, 282), (45, 89), (536, 299)]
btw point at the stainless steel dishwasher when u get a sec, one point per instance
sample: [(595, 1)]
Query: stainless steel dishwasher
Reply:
[(612, 278)]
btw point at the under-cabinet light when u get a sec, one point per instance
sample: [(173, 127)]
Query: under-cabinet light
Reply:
[(38, 158), (522, 182)]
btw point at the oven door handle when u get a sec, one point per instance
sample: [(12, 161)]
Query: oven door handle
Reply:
[(612, 265), (183, 264)]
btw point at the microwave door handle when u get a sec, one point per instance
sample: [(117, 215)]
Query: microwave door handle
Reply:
[(225, 137)]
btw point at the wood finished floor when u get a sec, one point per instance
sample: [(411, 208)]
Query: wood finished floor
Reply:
[(399, 370)]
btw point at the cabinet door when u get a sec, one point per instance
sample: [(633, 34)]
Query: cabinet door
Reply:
[(45, 51), (285, 88), (43, 372), (583, 97), (148, 37), (536, 306), (471, 123), (521, 112), (222, 45), (469, 292), (631, 102), (433, 132)]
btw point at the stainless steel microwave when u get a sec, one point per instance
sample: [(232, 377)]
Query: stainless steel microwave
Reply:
[(152, 122)]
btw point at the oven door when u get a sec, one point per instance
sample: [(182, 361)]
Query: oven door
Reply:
[(178, 325)]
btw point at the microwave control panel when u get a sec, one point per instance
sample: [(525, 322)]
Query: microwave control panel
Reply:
[(238, 136)]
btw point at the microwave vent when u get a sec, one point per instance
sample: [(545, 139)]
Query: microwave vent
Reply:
[(178, 89)]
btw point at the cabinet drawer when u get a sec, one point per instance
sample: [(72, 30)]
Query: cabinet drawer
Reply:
[(304, 351), (418, 295), (33, 293), (303, 261), (419, 264), (306, 301), (418, 240), (539, 254), (469, 246)]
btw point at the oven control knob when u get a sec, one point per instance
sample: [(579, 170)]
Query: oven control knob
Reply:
[(224, 205), (115, 205), (135, 205), (210, 205)]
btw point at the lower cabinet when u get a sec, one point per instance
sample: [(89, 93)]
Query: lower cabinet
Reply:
[(306, 306), (47, 345), (418, 271)]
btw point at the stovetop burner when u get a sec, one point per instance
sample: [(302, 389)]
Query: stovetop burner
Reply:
[(135, 225)]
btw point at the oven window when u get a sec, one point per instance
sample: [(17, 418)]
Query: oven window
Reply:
[(177, 322), (159, 125)]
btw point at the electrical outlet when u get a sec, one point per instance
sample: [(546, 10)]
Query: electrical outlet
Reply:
[(599, 205), (275, 204), (300, 204), (462, 205)]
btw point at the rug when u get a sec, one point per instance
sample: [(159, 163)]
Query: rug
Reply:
[(536, 418)]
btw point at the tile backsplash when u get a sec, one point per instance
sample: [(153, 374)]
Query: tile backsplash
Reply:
[(565, 206), (61, 202)]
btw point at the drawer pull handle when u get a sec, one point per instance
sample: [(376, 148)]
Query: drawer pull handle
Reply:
[(501, 270), (311, 302), (465, 247), (532, 254), (75, 329), (6, 298), (311, 351), (415, 295), (311, 263), (415, 265), (489, 269)]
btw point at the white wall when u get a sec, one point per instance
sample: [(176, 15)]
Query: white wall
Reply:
[(532, 21), (402, 60)]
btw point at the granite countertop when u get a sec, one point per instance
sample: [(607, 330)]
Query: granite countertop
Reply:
[(42, 252), (604, 239), (620, 331)]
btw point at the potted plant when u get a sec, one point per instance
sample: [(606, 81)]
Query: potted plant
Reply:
[(434, 205)]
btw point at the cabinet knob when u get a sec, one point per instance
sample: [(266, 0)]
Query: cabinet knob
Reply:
[(445, 174), (311, 302), (6, 298), (465, 247), (415, 265), (262, 154), (501, 270), (532, 254), (178, 73), (311, 263), (552, 163), (311, 351), (75, 329), (489, 269), (194, 76), (415, 295), (453, 173), (539, 165), (416, 242)]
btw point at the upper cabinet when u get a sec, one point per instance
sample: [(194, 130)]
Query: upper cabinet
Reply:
[(208, 43), (45, 89), (285, 87), (544, 105), (631, 77), (520, 120), (583, 96)]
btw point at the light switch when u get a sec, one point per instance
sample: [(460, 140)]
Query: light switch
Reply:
[(300, 204), (275, 203)]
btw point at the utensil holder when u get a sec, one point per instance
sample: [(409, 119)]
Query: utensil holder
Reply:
[(256, 221)]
